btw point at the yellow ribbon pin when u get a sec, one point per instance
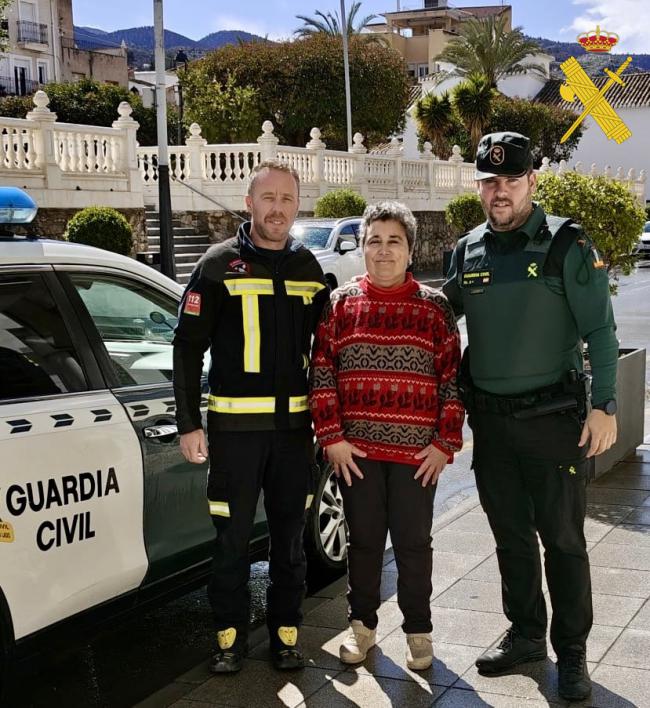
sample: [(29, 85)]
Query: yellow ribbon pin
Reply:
[(532, 270)]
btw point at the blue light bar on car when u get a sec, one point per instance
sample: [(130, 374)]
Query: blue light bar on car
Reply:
[(16, 206)]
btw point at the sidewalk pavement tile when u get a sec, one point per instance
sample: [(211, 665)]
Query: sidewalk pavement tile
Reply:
[(487, 571), (619, 687), (615, 610), (631, 649), (536, 680), (476, 629), (475, 523), (638, 516), (608, 513), (458, 698), (624, 481), (353, 689), (333, 614), (600, 639), (623, 497), (480, 544), (259, 685), (472, 595), (642, 454), (642, 619), (618, 581), (630, 534), (320, 646), (388, 659), (611, 555)]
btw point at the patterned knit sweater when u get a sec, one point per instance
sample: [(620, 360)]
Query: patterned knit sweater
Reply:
[(384, 371)]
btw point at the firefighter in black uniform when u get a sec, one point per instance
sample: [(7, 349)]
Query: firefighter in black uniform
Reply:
[(255, 300), (533, 288)]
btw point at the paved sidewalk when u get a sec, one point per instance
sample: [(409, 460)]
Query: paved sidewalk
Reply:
[(467, 618)]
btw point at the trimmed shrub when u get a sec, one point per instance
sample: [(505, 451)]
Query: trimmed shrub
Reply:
[(340, 203), (606, 209), (464, 212), (102, 227)]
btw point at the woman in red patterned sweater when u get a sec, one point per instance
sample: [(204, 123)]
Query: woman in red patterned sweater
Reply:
[(384, 400)]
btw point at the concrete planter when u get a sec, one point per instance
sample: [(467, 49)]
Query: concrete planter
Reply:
[(630, 388)]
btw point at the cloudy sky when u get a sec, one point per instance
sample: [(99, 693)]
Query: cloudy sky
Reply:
[(553, 19)]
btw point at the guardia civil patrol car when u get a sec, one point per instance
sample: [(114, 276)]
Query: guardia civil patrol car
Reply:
[(99, 512)]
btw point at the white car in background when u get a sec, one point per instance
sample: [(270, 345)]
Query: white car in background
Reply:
[(335, 243), (642, 249)]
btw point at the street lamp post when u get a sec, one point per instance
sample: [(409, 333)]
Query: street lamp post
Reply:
[(181, 58), (346, 67), (167, 265)]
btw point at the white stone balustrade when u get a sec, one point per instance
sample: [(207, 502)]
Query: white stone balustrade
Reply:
[(72, 166)]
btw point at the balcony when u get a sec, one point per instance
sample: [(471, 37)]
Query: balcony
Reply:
[(32, 32), (17, 86)]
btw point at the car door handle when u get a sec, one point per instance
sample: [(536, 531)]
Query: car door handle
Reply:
[(161, 431)]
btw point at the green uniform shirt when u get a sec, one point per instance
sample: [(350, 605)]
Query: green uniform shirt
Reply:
[(570, 269)]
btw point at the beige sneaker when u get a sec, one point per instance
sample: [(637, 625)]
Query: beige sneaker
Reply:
[(357, 643), (419, 652)]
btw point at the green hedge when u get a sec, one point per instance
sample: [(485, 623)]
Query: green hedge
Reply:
[(102, 227), (464, 212), (339, 204)]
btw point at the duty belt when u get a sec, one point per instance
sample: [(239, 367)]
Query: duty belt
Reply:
[(532, 404)]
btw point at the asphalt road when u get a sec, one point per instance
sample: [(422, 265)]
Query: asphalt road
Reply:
[(138, 657)]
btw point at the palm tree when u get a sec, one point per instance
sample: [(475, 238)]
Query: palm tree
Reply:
[(331, 23), (485, 46), (472, 100), (435, 121)]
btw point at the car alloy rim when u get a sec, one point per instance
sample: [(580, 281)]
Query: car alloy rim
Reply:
[(333, 533)]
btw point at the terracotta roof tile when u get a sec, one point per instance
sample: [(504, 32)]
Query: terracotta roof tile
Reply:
[(635, 93)]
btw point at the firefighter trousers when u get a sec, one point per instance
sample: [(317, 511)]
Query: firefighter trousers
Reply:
[(241, 465)]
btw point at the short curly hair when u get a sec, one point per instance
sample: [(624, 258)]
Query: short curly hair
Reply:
[(390, 211)]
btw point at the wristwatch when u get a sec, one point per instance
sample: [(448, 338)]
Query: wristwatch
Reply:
[(608, 407)]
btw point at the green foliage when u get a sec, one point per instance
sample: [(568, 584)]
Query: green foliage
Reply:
[(606, 209), (486, 47), (464, 212), (225, 111), (647, 212), (102, 227), (329, 23), (88, 102), (300, 85), (543, 124), (340, 203), (458, 119)]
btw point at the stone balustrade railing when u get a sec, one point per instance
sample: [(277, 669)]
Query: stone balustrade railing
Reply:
[(66, 165), (72, 166)]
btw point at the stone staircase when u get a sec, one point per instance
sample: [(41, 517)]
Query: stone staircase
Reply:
[(189, 245)]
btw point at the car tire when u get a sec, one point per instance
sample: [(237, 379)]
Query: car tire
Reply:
[(326, 534)]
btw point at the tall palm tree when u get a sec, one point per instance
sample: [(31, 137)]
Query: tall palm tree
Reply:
[(331, 23), (472, 100), (434, 117), (485, 46)]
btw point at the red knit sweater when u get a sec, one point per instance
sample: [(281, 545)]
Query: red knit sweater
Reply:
[(384, 371)]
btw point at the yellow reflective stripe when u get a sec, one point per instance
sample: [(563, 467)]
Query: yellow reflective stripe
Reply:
[(252, 338), (301, 288), (265, 404), (310, 499), (249, 286), (219, 508), (298, 403)]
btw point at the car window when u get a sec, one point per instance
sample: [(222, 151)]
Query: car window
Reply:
[(312, 236), (646, 228), (136, 324), (37, 357), (351, 229)]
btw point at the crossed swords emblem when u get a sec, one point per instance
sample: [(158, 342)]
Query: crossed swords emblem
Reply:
[(595, 104)]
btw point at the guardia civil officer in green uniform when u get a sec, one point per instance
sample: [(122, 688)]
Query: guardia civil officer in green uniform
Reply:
[(533, 289)]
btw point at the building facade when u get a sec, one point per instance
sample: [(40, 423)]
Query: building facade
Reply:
[(42, 48)]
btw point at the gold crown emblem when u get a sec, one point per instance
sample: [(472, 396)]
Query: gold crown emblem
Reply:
[(597, 41)]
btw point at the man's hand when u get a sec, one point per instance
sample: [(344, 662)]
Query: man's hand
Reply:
[(435, 461), (601, 428), (340, 455), (193, 446)]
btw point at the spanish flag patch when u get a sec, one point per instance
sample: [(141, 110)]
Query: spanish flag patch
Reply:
[(598, 261)]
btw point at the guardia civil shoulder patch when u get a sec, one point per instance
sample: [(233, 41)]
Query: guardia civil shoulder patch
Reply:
[(6, 532), (192, 304)]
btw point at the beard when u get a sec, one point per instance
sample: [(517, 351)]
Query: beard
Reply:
[(512, 216)]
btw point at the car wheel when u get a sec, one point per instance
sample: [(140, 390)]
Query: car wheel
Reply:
[(326, 533)]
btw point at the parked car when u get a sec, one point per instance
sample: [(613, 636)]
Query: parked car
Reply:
[(642, 249), (335, 243), (99, 511)]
